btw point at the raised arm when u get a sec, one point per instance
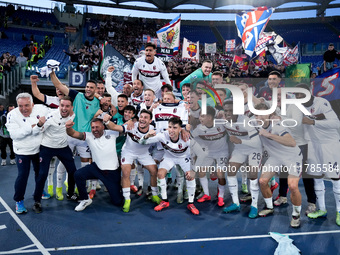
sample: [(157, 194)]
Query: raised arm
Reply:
[(108, 85), (57, 83), (110, 125), (35, 90), (71, 132)]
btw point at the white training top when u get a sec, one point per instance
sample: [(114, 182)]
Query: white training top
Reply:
[(212, 140), (326, 125), (103, 149), (132, 140), (276, 149), (54, 130), (26, 140), (149, 74), (243, 130), (176, 149)]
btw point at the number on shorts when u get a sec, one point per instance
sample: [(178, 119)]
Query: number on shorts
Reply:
[(256, 156), (223, 160)]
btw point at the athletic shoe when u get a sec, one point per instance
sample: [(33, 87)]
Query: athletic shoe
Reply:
[(232, 208), (37, 207), (200, 195), (192, 208), (20, 207), (253, 212), (245, 188), (274, 187), (53, 64), (295, 222), (74, 197), (140, 191), (220, 201), (12, 162), (59, 194), (280, 201), (246, 198), (3, 162), (317, 214), (266, 211), (83, 204), (92, 193), (156, 199), (180, 198), (126, 206), (45, 195), (161, 206), (337, 218), (50, 190), (204, 198), (66, 185), (89, 186), (311, 208), (133, 188)]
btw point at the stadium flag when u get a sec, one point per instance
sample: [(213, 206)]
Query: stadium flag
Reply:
[(230, 45), (250, 25), (327, 85), (111, 57), (241, 62), (169, 34), (260, 60), (292, 56), (298, 73), (191, 49), (267, 39), (210, 48)]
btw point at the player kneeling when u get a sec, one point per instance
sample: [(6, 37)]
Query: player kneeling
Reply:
[(177, 152), (132, 150)]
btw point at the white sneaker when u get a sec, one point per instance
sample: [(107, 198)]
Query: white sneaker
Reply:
[(98, 187), (280, 201), (12, 162), (53, 64), (83, 204), (3, 162)]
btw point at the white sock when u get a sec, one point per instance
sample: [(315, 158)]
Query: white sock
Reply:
[(233, 189), (140, 173), (244, 177), (60, 174), (204, 184), (254, 191), (296, 210), (191, 185), (269, 202), (154, 191), (319, 187), (83, 164), (221, 189), (93, 184), (336, 191), (162, 187), (126, 193), (133, 174), (51, 172)]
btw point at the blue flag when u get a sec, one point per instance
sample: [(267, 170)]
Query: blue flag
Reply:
[(250, 25), (327, 85)]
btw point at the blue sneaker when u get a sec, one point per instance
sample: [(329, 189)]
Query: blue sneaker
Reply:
[(253, 212), (20, 207), (232, 208), (45, 195)]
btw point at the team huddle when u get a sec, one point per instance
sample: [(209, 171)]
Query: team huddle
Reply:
[(118, 135)]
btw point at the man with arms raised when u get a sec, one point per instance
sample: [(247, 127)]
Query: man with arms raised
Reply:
[(149, 68)]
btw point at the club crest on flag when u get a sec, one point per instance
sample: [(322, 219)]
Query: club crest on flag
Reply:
[(192, 50), (170, 35)]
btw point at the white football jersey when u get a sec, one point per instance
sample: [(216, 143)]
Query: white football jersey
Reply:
[(132, 140)]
